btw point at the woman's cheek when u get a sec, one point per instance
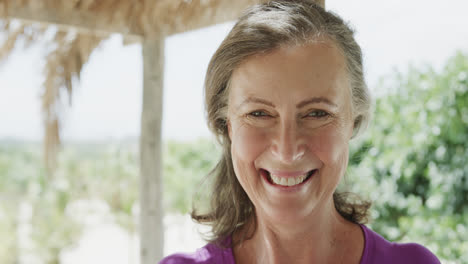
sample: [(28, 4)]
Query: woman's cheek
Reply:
[(329, 145), (250, 142), (247, 146)]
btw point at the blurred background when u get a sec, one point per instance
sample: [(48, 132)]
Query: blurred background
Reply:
[(412, 162)]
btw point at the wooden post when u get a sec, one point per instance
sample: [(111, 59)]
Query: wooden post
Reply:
[(151, 213)]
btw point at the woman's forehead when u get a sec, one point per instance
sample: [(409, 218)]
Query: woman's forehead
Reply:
[(316, 68)]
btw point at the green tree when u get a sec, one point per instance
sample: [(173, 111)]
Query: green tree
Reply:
[(18, 166), (24, 183), (186, 165), (413, 160)]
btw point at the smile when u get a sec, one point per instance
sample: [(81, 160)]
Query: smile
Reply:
[(287, 181)]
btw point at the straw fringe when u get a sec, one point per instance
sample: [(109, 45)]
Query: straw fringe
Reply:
[(62, 71), (10, 42)]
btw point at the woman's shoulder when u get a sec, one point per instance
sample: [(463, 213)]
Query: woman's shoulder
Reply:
[(379, 250), (208, 254)]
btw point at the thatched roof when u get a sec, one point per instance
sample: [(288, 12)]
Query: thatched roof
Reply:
[(129, 17)]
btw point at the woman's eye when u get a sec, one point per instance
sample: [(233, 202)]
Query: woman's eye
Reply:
[(317, 113), (258, 114)]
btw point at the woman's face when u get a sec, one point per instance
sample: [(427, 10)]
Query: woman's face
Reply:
[(289, 121)]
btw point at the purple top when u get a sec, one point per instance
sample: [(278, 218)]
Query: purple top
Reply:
[(376, 250)]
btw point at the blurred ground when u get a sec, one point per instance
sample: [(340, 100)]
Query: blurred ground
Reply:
[(104, 242)]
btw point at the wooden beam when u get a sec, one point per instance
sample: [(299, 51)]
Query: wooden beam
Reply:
[(151, 212)]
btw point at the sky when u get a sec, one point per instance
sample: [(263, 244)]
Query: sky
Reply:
[(107, 102)]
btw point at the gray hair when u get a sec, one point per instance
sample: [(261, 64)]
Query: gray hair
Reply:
[(261, 29)]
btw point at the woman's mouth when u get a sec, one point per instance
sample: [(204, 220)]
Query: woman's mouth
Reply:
[(287, 181)]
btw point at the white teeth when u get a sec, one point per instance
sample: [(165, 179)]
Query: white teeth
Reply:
[(284, 181), (300, 179), (288, 181)]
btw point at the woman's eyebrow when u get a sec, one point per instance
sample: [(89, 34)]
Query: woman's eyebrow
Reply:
[(316, 100), (256, 100), (313, 100)]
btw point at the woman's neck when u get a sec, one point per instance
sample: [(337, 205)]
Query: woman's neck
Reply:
[(323, 237)]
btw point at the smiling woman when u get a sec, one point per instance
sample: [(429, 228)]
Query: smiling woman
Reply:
[(285, 94)]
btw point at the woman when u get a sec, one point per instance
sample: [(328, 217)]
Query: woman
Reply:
[(285, 93)]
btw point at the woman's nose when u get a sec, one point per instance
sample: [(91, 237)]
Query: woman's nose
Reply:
[(288, 146)]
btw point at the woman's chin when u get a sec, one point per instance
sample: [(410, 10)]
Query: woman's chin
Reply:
[(284, 213)]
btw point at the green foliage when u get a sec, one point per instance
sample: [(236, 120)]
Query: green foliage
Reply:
[(87, 172), (186, 166), (20, 172), (8, 238), (24, 183), (53, 228), (413, 159)]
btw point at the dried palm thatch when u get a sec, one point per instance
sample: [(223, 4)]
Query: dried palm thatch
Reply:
[(68, 52), (81, 25), (64, 65), (130, 17)]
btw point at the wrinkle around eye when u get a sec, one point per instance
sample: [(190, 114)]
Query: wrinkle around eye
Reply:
[(322, 115), (259, 115), (266, 120), (318, 122)]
